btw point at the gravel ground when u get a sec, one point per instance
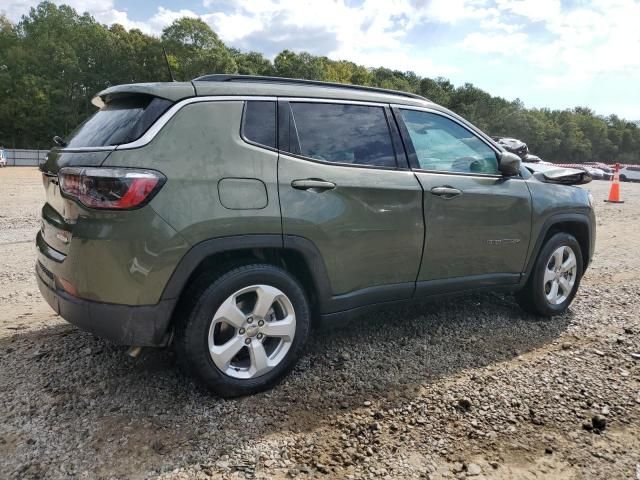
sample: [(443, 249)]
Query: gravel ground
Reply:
[(466, 387)]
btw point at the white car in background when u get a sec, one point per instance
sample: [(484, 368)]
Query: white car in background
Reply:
[(608, 171), (534, 167), (530, 158), (596, 173), (630, 173)]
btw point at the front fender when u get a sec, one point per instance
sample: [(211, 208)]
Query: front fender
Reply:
[(585, 219)]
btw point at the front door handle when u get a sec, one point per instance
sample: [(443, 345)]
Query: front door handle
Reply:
[(313, 184), (446, 191)]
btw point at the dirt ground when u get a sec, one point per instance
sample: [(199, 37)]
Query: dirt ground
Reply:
[(465, 387)]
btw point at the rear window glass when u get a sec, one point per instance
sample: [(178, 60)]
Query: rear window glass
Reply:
[(122, 120), (259, 125)]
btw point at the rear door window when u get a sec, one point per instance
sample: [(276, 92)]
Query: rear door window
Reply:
[(121, 120), (343, 133)]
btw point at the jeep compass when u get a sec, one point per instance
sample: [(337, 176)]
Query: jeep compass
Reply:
[(220, 216)]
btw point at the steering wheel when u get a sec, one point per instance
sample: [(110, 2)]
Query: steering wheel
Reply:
[(469, 164)]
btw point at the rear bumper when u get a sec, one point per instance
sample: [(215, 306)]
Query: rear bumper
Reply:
[(142, 325)]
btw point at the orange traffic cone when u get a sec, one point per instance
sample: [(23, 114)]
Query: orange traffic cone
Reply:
[(614, 193)]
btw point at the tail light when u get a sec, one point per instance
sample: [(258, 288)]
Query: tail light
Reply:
[(110, 188)]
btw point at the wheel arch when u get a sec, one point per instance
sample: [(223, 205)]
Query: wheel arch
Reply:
[(576, 224), (297, 255)]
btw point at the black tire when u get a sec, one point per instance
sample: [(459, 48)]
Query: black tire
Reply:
[(532, 297), (623, 178), (204, 297)]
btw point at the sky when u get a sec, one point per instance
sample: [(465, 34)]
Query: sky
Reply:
[(548, 53)]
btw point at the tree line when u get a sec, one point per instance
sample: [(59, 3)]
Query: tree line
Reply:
[(54, 60)]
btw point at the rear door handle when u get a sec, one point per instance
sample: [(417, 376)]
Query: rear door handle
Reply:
[(446, 191), (313, 184)]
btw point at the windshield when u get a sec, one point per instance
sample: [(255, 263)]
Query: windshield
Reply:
[(120, 121)]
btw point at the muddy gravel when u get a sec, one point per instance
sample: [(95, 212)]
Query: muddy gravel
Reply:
[(464, 387)]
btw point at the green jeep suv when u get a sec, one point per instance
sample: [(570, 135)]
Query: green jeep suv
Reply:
[(222, 215)]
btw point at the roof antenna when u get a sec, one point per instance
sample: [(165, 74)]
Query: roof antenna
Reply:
[(166, 59)]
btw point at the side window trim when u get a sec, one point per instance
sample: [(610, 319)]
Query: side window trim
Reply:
[(287, 120), (411, 152), (243, 121), (396, 141), (294, 137), (283, 125), (475, 131), (412, 156)]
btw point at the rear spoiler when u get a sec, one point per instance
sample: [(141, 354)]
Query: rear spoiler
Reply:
[(173, 91)]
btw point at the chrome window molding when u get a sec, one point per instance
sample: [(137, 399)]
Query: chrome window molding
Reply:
[(341, 164), (467, 126), (162, 121), (169, 114), (85, 149), (464, 124), (151, 133)]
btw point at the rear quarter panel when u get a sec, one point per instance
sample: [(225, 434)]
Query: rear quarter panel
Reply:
[(195, 150), (123, 257), (119, 257)]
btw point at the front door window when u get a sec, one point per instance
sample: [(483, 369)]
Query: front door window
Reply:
[(443, 145)]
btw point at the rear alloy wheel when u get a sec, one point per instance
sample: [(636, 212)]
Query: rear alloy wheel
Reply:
[(242, 332), (252, 331), (555, 277)]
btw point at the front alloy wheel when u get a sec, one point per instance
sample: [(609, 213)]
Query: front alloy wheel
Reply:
[(555, 277), (560, 275)]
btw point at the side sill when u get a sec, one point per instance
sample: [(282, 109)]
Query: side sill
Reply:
[(430, 288), (371, 295)]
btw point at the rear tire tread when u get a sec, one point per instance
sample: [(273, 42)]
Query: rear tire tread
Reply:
[(189, 342)]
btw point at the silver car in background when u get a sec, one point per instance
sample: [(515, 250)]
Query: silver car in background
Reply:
[(630, 173)]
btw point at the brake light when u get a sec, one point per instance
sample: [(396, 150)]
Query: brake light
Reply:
[(110, 188)]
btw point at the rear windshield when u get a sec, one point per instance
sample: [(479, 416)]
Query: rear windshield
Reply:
[(122, 120)]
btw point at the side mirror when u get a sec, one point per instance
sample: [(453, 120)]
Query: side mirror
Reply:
[(509, 164)]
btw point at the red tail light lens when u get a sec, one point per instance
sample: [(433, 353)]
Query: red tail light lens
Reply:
[(110, 188)]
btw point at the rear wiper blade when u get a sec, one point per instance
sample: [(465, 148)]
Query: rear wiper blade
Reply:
[(59, 141)]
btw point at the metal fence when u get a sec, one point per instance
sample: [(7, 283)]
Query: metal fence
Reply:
[(25, 158)]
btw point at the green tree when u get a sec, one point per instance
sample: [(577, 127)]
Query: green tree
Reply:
[(252, 63), (54, 60), (299, 65), (195, 49)]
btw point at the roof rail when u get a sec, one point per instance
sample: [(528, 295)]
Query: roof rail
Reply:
[(220, 77)]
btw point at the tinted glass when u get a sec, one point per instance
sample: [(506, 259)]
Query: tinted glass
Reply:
[(353, 134), (119, 121), (442, 144), (260, 123)]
